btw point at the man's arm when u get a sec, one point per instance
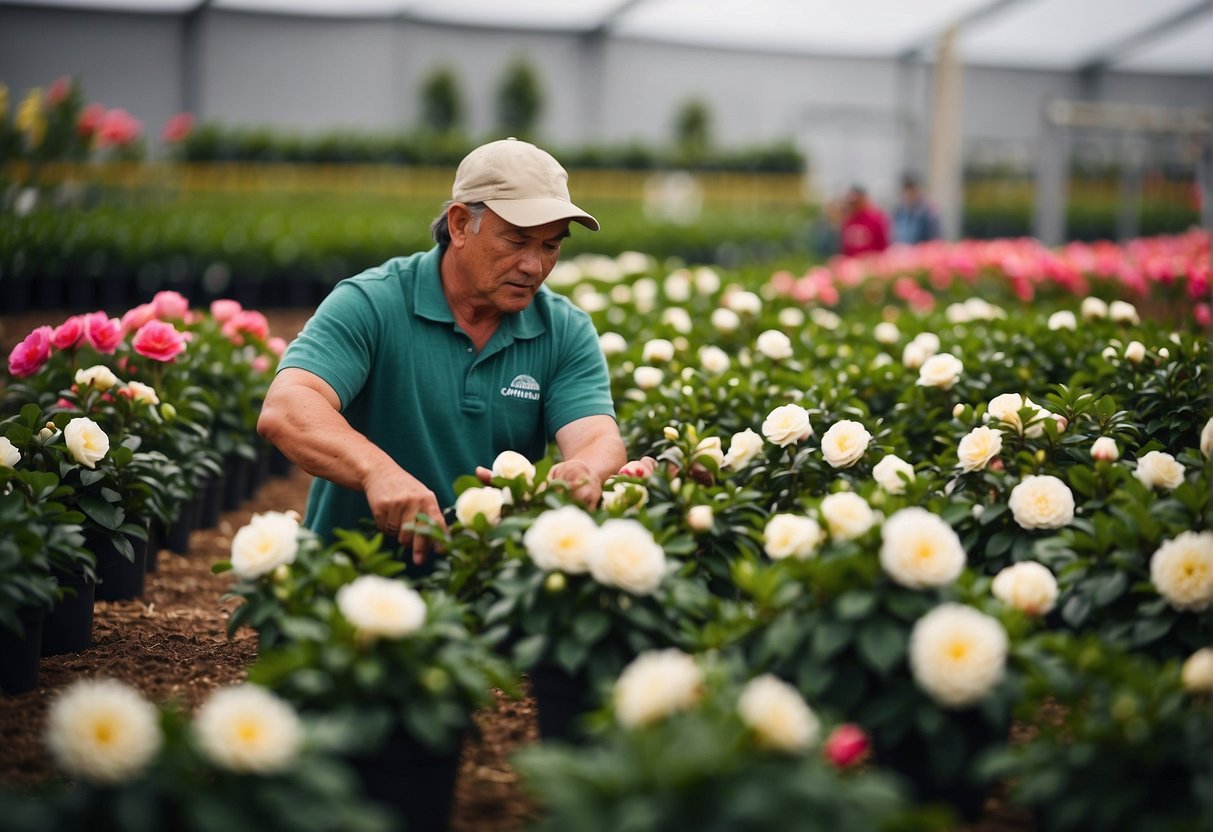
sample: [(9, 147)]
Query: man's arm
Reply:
[(593, 451), (302, 417)]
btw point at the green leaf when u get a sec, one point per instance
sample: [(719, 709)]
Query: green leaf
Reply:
[(590, 626), (855, 604), (527, 651), (882, 644), (102, 513)]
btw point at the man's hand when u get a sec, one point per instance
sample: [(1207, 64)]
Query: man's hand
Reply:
[(642, 468), (396, 499), (580, 479)]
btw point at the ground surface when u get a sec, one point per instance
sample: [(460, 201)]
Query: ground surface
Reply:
[(171, 643)]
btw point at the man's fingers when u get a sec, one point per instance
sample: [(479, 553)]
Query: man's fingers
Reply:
[(484, 474)]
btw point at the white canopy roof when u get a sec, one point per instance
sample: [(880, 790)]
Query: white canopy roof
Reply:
[(1164, 36)]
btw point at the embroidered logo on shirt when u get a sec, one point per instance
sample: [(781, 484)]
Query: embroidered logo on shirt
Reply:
[(522, 387)]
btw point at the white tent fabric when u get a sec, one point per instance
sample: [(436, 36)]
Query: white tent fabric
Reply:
[(1165, 36)]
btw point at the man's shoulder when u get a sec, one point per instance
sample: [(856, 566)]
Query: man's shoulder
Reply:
[(391, 272), (558, 307)]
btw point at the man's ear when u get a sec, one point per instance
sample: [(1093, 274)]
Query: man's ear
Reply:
[(458, 223)]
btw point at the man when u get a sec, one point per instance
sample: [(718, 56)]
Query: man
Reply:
[(426, 367), (915, 219), (865, 228)]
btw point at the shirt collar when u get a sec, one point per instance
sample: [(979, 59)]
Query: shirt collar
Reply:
[(430, 301)]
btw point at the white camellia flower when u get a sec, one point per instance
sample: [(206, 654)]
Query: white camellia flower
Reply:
[(511, 465), (1135, 352), (1104, 448), (1093, 308), (978, 447), (656, 684), (561, 539), (612, 343), (709, 449), (778, 715), (786, 425), (914, 355), (725, 320), (886, 332), (1158, 469), (626, 556), (791, 536), (791, 317), (142, 393), (1041, 502), (380, 607), (658, 350), (9, 455), (743, 302), (647, 378), (707, 281), (919, 549), (844, 443), (825, 318), (743, 448), (1206, 439), (928, 341), (98, 376), (485, 500), (1065, 319), (847, 515), (267, 541), (677, 285), (888, 473), (700, 518), (713, 359), (677, 319), (1027, 586), (103, 730), (774, 344), (1197, 672), (248, 729), (1005, 408), (957, 654), (941, 370), (1182, 570), (1123, 312), (86, 441), (624, 495)]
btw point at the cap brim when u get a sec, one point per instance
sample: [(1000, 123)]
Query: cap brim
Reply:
[(539, 210)]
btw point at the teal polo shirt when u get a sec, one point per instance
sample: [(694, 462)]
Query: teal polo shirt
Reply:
[(411, 381)]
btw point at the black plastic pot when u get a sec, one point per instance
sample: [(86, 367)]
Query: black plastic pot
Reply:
[(68, 627), (236, 473), (563, 699), (177, 539), (21, 653), (211, 492), (408, 778), (118, 578)]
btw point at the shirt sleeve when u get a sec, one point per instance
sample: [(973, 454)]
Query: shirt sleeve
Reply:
[(338, 341), (581, 385)]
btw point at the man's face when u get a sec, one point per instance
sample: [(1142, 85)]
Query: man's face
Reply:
[(507, 263)]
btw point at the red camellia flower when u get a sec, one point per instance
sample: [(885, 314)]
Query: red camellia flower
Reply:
[(118, 128), (104, 333), (89, 120), (178, 128), (28, 357), (69, 333), (158, 341), (846, 745)]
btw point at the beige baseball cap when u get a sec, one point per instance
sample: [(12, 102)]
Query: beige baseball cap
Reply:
[(521, 183)]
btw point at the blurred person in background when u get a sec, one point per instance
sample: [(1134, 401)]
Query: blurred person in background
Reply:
[(915, 219), (865, 228), (425, 368)]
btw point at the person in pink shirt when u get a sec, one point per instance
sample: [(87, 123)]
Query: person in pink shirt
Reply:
[(865, 228)]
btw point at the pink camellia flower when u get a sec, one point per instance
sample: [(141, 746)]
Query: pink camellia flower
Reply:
[(224, 309), (178, 128), (137, 317), (117, 128), (158, 341), (28, 357), (69, 333), (170, 305), (103, 333), (59, 90), (247, 321), (277, 345), (261, 364), (89, 120), (846, 745)]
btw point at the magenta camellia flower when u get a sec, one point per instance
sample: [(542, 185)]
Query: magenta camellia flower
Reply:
[(102, 332), (69, 333), (170, 306), (158, 341), (846, 745), (28, 357), (137, 317)]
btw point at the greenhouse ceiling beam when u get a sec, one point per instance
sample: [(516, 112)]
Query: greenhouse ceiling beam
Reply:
[(1105, 58), (963, 22), (613, 16)]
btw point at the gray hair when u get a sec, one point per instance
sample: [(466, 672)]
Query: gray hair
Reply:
[(441, 232)]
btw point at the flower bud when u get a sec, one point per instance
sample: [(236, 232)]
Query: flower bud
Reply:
[(1041, 456), (555, 583), (670, 433), (282, 572), (1135, 352), (1163, 354), (846, 745), (700, 518), (1104, 448), (957, 410), (47, 432), (435, 679), (168, 412)]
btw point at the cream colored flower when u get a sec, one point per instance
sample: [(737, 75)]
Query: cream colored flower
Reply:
[(928, 341), (103, 730), (1123, 312), (1197, 672), (647, 378), (1182, 570), (791, 318), (888, 473), (847, 515), (709, 449), (914, 355), (512, 465), (1005, 408), (1093, 308), (248, 729), (919, 549), (886, 332), (1159, 469), (713, 359), (725, 321), (1027, 586), (9, 455), (957, 654), (941, 370), (655, 685), (743, 448), (774, 345), (1041, 502), (624, 495), (743, 302), (1064, 319), (677, 319), (86, 441), (485, 500), (791, 535), (700, 518), (658, 350), (707, 281), (978, 447), (561, 539), (612, 343), (98, 376), (626, 556), (380, 607), (1206, 439), (844, 443), (825, 318), (1135, 352), (142, 393), (677, 286), (266, 542), (778, 715), (786, 425), (1104, 448)]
